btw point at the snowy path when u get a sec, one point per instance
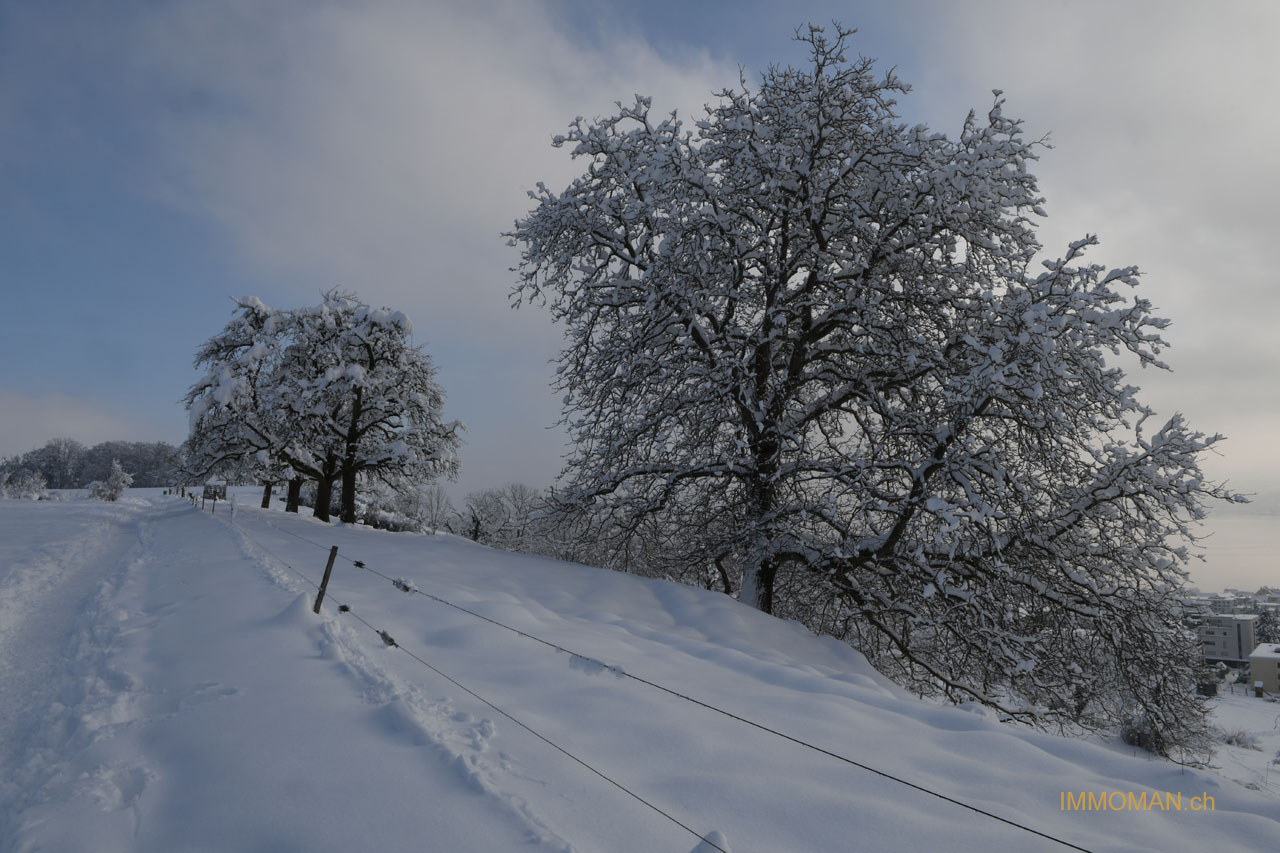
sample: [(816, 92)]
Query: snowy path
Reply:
[(168, 688), (52, 580), (152, 649)]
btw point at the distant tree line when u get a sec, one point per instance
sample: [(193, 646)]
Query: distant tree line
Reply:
[(63, 463)]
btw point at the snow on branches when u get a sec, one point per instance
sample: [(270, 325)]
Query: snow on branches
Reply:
[(811, 342), (332, 392)]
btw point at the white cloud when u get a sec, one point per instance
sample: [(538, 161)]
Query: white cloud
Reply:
[(1163, 132), (385, 147)]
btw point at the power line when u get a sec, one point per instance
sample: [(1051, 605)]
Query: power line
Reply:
[(545, 739), (388, 640), (741, 719), (359, 564)]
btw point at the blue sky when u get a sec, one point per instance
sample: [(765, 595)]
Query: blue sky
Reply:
[(157, 158)]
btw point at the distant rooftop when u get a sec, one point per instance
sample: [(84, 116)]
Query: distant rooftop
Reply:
[(1266, 650)]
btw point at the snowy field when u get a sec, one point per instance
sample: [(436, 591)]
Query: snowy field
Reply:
[(1254, 763), (166, 687)]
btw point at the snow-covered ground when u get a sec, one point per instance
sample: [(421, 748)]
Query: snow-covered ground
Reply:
[(167, 687), (1254, 759)]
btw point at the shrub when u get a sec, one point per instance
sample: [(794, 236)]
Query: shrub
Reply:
[(1242, 739), (114, 486)]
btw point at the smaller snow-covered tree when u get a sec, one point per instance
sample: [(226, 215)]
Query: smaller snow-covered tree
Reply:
[(334, 392), (368, 395), (23, 484), (115, 484), (435, 509), (1267, 630), (484, 516), (512, 518)]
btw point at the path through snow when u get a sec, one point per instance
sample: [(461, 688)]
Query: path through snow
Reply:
[(122, 637)]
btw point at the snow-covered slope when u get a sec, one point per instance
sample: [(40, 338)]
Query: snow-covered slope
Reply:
[(167, 687)]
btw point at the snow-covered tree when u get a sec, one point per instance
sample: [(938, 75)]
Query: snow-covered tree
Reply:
[(113, 485), (368, 394), (238, 417), (434, 509), (484, 516), (61, 462), (152, 464), (1267, 628), (810, 340), (335, 391)]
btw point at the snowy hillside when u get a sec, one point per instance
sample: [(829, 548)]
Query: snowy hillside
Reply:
[(167, 687)]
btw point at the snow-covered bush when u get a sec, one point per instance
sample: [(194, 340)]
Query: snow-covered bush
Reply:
[(406, 507), (113, 486), (24, 484), (1242, 739), (386, 511)]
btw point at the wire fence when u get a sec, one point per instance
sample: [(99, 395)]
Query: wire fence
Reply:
[(386, 638)]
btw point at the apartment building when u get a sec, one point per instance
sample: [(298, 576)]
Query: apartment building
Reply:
[(1229, 637)]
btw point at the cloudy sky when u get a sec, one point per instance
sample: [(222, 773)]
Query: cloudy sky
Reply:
[(158, 158)]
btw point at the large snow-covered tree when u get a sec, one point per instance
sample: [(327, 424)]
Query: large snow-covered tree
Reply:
[(335, 392), (813, 343)]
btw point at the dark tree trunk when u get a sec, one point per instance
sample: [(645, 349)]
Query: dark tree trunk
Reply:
[(349, 495), (324, 487), (764, 585), (266, 494), (324, 497), (724, 576), (349, 459), (762, 501), (295, 495)]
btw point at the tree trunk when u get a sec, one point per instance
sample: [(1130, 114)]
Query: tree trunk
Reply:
[(757, 585), (324, 486), (724, 576), (266, 494), (324, 497), (757, 580), (349, 459), (348, 495), (765, 576), (295, 495)]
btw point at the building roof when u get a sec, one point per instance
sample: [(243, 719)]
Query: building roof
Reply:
[(1266, 650)]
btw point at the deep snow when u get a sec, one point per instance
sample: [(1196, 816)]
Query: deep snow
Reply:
[(166, 687)]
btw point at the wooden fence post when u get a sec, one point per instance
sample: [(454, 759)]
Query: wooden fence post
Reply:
[(324, 583)]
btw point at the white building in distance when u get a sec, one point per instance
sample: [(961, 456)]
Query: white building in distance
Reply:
[(1229, 637), (1264, 667)]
